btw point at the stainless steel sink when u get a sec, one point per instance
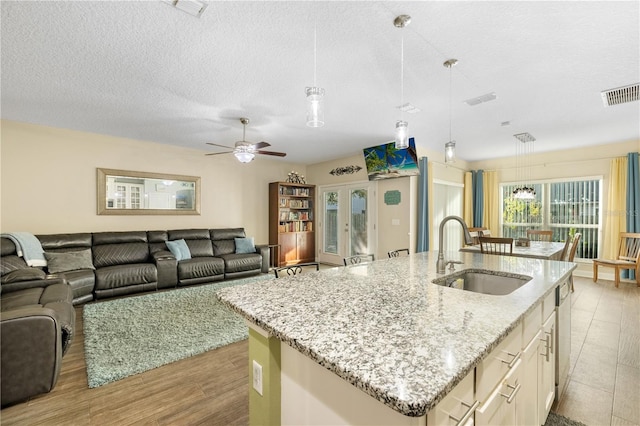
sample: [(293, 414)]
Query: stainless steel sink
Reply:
[(486, 282)]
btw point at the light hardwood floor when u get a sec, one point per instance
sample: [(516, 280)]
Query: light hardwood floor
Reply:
[(212, 388)]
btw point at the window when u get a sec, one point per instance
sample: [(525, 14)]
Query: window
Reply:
[(564, 207)]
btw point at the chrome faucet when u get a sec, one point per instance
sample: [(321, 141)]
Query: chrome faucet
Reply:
[(441, 264)]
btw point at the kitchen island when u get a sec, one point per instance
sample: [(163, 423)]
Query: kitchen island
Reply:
[(383, 327)]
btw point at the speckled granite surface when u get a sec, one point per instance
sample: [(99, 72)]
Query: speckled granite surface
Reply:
[(385, 328), (537, 249)]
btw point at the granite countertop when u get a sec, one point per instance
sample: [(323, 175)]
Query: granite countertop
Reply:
[(386, 329), (536, 249)]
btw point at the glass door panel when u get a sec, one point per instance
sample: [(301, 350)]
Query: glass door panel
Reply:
[(359, 241), (346, 226)]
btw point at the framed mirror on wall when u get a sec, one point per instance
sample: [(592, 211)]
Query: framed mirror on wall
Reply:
[(126, 192)]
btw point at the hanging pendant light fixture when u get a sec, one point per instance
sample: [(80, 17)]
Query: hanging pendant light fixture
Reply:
[(524, 150), (450, 147), (315, 94), (402, 127)]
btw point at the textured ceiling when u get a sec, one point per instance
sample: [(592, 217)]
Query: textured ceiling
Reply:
[(145, 70)]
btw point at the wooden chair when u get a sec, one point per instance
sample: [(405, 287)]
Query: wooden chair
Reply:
[(565, 250), (539, 235), (358, 258), (476, 233), (572, 252), (396, 253), (295, 269), (628, 258), (496, 245)]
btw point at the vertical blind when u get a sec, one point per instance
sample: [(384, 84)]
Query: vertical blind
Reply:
[(563, 207)]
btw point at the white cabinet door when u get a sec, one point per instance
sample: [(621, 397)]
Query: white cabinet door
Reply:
[(457, 407), (528, 410), (547, 367)]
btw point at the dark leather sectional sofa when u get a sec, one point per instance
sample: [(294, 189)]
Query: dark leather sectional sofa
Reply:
[(37, 310)]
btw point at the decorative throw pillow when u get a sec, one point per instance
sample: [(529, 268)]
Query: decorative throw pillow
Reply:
[(245, 245), (68, 261), (26, 274), (179, 249)]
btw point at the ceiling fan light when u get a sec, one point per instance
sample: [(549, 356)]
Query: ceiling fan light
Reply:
[(244, 157), (315, 108), (402, 134), (450, 152)]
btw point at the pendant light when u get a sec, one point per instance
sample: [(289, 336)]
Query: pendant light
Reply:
[(315, 107), (402, 127), (524, 150), (450, 147)]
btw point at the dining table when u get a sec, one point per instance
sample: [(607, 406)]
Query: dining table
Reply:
[(536, 250)]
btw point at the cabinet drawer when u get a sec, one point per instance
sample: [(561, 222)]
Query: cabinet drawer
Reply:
[(531, 324), (500, 406), (549, 305), (491, 370), (458, 405)]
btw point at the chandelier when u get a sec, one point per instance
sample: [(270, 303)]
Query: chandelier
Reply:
[(524, 151)]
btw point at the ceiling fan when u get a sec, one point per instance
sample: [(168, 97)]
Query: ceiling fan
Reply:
[(245, 151)]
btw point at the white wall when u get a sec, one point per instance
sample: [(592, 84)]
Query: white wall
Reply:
[(48, 182)]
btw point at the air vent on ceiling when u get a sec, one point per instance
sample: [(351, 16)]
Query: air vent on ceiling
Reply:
[(408, 107), (192, 7), (480, 99), (620, 95)]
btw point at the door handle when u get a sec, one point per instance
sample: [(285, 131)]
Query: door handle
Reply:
[(467, 414), (546, 342), (515, 390)]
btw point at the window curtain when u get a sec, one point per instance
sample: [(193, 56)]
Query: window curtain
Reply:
[(633, 200), (614, 222), (491, 203), (467, 203), (478, 197), (423, 205)]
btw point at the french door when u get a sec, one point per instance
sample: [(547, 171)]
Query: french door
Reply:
[(347, 222)]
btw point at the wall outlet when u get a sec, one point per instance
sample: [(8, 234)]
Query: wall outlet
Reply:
[(257, 377)]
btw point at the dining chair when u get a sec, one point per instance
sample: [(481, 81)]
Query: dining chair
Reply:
[(628, 257), (358, 258), (565, 249), (295, 269), (572, 252), (496, 245), (478, 232), (539, 235), (398, 252)]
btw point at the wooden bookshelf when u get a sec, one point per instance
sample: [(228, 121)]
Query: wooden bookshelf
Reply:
[(292, 221)]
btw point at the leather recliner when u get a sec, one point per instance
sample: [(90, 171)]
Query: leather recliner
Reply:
[(37, 322)]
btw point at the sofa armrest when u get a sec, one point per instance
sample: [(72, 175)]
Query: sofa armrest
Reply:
[(31, 352), (167, 267), (263, 250), (8, 287)]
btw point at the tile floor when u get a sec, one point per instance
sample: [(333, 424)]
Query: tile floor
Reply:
[(604, 377)]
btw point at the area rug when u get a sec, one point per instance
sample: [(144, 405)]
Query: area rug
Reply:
[(131, 335), (554, 419)]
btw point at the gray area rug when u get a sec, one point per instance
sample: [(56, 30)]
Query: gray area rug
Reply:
[(554, 419), (131, 335)]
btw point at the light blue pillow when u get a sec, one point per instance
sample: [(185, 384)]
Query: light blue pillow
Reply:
[(245, 245), (179, 249)]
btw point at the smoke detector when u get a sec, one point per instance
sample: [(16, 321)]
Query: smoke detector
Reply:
[(620, 95)]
